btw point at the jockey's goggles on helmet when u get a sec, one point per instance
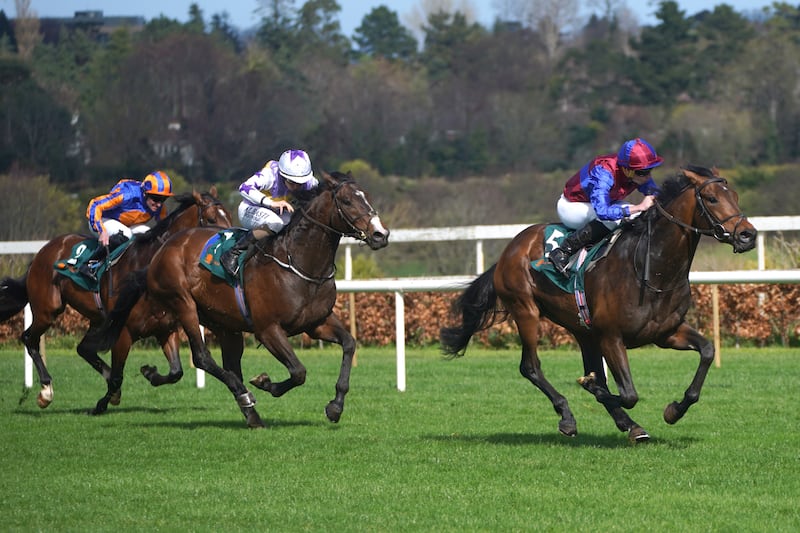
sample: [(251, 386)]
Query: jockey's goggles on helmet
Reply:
[(158, 198), (642, 173)]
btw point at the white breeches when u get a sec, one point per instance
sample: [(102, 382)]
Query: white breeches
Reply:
[(115, 226), (257, 217), (575, 215)]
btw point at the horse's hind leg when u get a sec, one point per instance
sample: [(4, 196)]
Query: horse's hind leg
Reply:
[(687, 338), (530, 367), (31, 338)]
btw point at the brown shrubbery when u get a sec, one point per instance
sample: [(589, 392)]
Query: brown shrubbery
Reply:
[(755, 314)]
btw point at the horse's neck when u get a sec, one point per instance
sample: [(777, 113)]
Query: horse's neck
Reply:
[(311, 246), (672, 247), (188, 218), (184, 220)]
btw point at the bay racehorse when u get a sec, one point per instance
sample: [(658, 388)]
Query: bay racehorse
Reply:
[(639, 294), (288, 289), (49, 292)]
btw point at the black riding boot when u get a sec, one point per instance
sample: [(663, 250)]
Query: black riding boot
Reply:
[(89, 268), (230, 259), (591, 233)]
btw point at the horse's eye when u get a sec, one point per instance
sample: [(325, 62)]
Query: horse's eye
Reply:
[(712, 200)]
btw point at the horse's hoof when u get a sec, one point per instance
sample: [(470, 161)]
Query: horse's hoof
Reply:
[(148, 371), (333, 412), (45, 396), (115, 398), (672, 413), (261, 381), (637, 435), (588, 379), (254, 421), (568, 429)]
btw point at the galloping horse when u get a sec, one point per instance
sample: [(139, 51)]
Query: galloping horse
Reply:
[(50, 292), (288, 289), (639, 294)]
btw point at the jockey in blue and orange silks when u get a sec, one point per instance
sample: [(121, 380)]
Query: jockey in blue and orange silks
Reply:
[(124, 211), (592, 201)]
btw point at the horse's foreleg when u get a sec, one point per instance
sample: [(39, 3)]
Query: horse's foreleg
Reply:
[(595, 382), (119, 354), (170, 345), (232, 349), (277, 343), (334, 331), (530, 367), (91, 357), (201, 356), (688, 338)]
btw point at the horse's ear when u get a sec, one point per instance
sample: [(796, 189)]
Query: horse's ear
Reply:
[(198, 198), (329, 179), (715, 171), (213, 191)]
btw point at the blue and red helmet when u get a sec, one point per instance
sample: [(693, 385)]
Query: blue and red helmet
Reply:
[(638, 154), (157, 183)]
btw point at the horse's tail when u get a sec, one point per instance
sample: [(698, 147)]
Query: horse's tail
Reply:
[(477, 306), (13, 296), (103, 338)]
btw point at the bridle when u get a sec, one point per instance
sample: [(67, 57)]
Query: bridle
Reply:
[(353, 232), (201, 208), (717, 230)]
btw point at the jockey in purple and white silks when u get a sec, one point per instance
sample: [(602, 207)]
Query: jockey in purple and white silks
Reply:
[(592, 202), (265, 208)]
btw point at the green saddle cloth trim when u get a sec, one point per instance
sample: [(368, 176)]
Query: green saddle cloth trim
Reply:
[(80, 254), (217, 245), (554, 235)]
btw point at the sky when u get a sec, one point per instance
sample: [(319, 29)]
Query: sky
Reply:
[(242, 13)]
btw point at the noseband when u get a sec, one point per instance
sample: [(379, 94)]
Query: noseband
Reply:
[(717, 230)]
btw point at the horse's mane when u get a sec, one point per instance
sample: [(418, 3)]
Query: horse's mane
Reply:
[(185, 201), (670, 189), (304, 198)]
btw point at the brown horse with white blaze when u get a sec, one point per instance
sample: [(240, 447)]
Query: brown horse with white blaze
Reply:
[(639, 294), (288, 288)]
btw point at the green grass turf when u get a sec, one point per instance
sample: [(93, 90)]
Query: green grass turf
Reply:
[(470, 446)]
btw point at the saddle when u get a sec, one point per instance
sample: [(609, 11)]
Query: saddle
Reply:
[(80, 255), (580, 263)]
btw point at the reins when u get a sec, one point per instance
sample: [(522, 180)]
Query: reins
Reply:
[(355, 233), (717, 229)]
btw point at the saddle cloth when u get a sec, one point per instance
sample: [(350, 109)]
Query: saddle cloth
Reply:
[(217, 245), (80, 254)]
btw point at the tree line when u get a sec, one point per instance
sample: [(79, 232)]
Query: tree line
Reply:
[(533, 94)]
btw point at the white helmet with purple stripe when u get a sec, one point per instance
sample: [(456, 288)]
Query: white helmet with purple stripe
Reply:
[(295, 165)]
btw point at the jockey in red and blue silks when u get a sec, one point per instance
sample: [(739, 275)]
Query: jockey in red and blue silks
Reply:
[(592, 201), (116, 216)]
